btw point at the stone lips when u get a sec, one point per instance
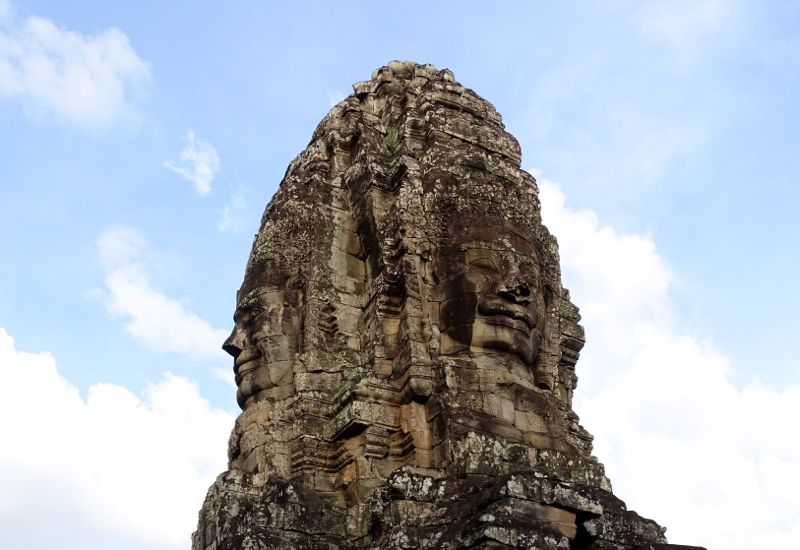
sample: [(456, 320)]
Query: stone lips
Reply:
[(404, 349)]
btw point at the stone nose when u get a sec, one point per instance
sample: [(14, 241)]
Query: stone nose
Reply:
[(235, 343), (516, 290)]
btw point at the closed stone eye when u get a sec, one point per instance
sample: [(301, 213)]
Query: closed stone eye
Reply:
[(485, 264), (251, 315)]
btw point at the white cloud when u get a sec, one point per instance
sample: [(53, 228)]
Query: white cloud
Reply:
[(154, 320), (199, 164), (113, 470), (226, 375), (92, 82), (719, 466), (623, 280), (231, 218)]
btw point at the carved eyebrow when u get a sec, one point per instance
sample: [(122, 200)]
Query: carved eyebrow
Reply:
[(254, 298), (478, 253), (242, 308)]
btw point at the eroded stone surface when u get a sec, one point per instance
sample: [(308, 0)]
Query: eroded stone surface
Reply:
[(404, 349)]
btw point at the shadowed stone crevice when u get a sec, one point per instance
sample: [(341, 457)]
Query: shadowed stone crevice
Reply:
[(404, 349)]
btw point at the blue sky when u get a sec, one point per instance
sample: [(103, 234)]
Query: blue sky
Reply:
[(142, 141)]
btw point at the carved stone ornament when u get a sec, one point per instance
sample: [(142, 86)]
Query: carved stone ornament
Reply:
[(404, 350)]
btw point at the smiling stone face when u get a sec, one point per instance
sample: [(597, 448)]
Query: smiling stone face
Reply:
[(267, 332), (489, 294)]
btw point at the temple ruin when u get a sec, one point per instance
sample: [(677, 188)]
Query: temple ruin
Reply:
[(404, 349)]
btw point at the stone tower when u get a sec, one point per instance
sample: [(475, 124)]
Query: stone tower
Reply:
[(404, 349)]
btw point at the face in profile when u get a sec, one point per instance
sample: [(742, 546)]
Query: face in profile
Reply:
[(267, 330), (489, 299)]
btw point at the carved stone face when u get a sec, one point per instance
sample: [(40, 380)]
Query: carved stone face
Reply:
[(267, 330), (489, 297)]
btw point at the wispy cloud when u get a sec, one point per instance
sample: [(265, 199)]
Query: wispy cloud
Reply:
[(5, 11), (199, 164), (92, 82), (113, 470), (681, 23), (716, 464), (618, 134), (156, 321), (335, 96), (691, 30), (230, 219)]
